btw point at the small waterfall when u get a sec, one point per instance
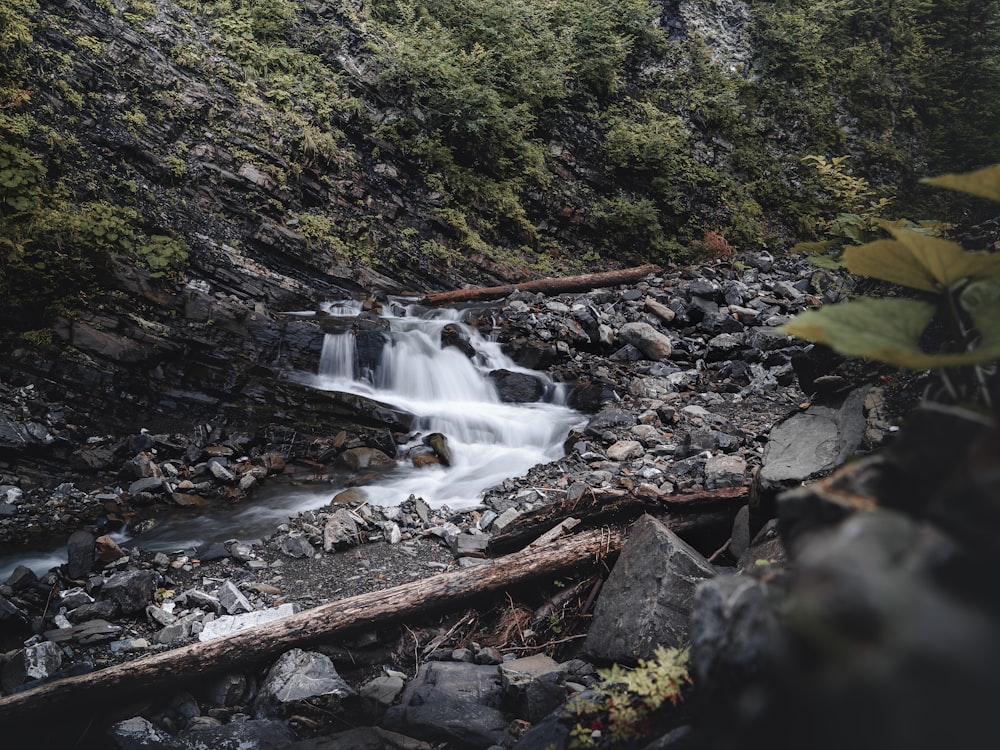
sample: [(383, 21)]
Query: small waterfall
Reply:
[(338, 359), (451, 393)]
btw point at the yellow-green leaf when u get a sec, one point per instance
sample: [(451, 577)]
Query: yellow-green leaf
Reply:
[(887, 330), (981, 299), (891, 261), (921, 262), (983, 182)]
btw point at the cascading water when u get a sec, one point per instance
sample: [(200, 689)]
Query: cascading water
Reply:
[(447, 391), (451, 394)]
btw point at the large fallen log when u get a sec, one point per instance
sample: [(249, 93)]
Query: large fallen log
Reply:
[(260, 644), (684, 513), (550, 285)]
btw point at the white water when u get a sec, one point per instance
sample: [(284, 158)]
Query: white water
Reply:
[(490, 441), (449, 393)]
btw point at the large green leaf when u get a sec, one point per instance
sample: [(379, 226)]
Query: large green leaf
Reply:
[(887, 330), (983, 182), (921, 262), (981, 299)]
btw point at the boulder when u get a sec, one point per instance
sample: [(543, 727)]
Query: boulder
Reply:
[(652, 343), (80, 554), (131, 590), (647, 599), (517, 387), (300, 676)]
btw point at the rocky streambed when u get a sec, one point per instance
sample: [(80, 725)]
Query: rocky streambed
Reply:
[(822, 614)]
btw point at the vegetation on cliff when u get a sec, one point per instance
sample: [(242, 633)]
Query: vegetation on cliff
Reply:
[(464, 141)]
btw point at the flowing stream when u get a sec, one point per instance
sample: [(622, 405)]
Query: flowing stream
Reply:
[(447, 392)]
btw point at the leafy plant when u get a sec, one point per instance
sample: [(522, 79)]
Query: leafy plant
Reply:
[(630, 697), (958, 287)]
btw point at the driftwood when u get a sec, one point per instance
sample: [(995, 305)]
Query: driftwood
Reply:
[(552, 285), (265, 642), (686, 513)]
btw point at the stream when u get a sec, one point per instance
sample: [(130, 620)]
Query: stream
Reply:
[(446, 391)]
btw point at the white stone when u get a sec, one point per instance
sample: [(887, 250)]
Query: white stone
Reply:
[(230, 624)]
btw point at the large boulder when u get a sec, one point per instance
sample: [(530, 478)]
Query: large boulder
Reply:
[(647, 599)]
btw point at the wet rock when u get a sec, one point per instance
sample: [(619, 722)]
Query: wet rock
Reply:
[(517, 387), (451, 702), (296, 544), (439, 444), (300, 676), (654, 580), (80, 554), (452, 335), (357, 459), (131, 590)]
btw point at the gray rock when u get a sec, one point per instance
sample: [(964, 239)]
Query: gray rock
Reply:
[(517, 387), (80, 554), (609, 418), (451, 702), (138, 733), (146, 484), (382, 691), (623, 450), (652, 343), (131, 590), (86, 633), (31, 663), (296, 544), (252, 734), (725, 471), (357, 459), (654, 582), (363, 738), (201, 599), (233, 600), (300, 676), (468, 544), (340, 530), (533, 686), (813, 442), (229, 624)]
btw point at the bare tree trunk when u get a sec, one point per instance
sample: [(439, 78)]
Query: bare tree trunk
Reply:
[(684, 513), (263, 643), (553, 285)]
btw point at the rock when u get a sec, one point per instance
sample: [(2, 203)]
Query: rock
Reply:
[(812, 443), (452, 335), (227, 690), (229, 624), (654, 580), (468, 544), (31, 663), (532, 686), (609, 418), (80, 553), (341, 530), (660, 310), (653, 344), (146, 484), (623, 450), (296, 544), (131, 590), (357, 459), (736, 638), (725, 471), (86, 633), (517, 387), (439, 444), (107, 549), (363, 738), (382, 692), (200, 599), (233, 600), (138, 733), (451, 702), (250, 734), (300, 676)]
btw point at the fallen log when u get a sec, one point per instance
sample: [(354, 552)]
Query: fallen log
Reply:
[(685, 513), (265, 642), (550, 285)]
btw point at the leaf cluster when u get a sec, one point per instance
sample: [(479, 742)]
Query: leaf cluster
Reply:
[(960, 286)]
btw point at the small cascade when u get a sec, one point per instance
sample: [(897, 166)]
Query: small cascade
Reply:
[(338, 359), (450, 393)]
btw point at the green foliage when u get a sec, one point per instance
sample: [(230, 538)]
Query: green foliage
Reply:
[(16, 24), (630, 697), (966, 286)]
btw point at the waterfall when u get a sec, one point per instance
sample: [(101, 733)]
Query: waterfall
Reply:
[(450, 393)]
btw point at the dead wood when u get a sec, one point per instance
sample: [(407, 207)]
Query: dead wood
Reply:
[(688, 512), (551, 285), (263, 643)]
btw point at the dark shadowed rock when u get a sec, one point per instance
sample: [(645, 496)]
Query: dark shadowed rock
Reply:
[(300, 676), (131, 590), (80, 554), (517, 387), (654, 582), (451, 702)]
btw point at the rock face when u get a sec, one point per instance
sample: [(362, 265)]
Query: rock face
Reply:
[(654, 580)]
